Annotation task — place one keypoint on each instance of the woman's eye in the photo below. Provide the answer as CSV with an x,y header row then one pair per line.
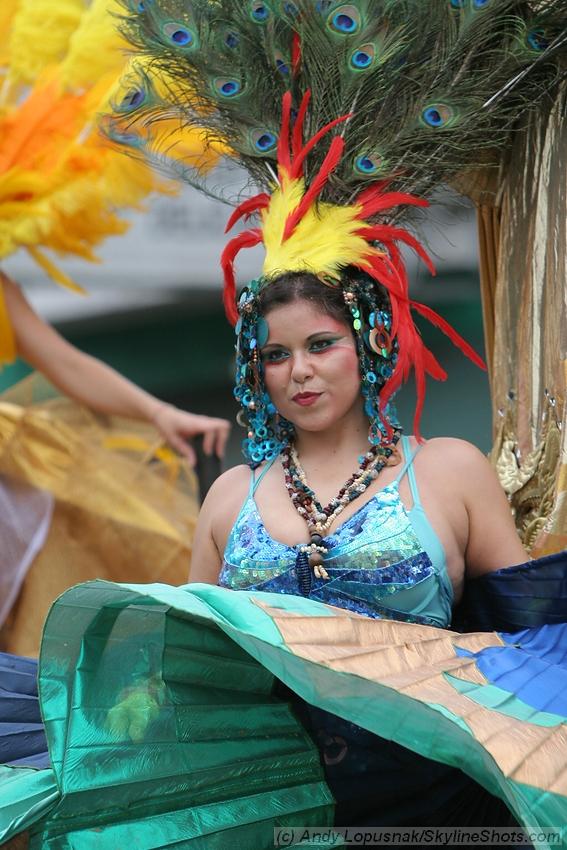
x,y
321,344
274,356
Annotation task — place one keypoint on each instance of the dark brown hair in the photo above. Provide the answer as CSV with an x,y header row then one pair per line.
x,y
299,286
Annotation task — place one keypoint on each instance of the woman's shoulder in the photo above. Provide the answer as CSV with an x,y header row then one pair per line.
x,y
235,481
453,449
452,457
224,500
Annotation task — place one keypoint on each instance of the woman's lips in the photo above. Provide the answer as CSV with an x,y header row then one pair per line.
x,y
305,399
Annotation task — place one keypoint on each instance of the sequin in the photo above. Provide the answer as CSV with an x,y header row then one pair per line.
x,y
375,561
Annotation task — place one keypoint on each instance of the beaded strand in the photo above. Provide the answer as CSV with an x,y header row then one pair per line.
x,y
318,518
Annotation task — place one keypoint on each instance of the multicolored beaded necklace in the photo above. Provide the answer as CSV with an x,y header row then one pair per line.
x,y
318,518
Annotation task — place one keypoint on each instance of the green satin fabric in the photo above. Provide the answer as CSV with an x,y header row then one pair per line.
x,y
223,762
26,795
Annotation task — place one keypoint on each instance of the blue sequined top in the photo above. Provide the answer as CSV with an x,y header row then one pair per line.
x,y
383,561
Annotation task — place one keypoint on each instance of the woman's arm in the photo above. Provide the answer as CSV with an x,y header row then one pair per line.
x,y
493,540
216,520
88,381
206,559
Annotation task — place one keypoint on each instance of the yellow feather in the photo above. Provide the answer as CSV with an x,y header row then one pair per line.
x,y
41,31
62,184
8,9
323,242
23,223
55,273
96,47
7,12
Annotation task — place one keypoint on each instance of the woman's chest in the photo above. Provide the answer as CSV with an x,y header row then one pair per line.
x,y
375,568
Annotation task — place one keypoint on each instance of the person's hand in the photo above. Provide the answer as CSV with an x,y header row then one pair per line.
x,y
177,426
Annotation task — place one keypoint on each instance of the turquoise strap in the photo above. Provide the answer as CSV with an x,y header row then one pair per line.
x,y
408,467
255,482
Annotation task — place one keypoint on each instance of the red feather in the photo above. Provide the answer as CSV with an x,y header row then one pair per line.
x,y
329,164
246,239
295,53
385,233
297,140
380,201
300,159
372,190
383,270
284,158
449,331
247,208
412,353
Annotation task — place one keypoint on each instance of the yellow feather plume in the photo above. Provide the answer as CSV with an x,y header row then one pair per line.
x,y
62,184
8,10
95,48
41,31
323,242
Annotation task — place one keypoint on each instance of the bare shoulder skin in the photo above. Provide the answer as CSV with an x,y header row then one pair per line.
x,y
216,518
468,509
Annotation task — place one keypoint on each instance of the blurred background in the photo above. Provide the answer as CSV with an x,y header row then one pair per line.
x,y
154,312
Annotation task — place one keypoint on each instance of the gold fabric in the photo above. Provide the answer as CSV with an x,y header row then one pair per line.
x,y
523,240
126,514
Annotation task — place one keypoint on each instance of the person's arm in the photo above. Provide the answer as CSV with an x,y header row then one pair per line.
x,y
216,520
94,384
493,540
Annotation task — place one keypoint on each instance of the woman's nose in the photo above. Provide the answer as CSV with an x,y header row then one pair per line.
x,y
301,368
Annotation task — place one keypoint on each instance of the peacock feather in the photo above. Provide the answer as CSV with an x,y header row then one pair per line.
x,y
414,91
433,87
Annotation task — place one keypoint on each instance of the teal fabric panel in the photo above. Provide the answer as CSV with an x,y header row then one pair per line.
x,y
26,795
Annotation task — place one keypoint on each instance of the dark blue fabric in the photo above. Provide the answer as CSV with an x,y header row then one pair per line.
x,y
22,736
519,597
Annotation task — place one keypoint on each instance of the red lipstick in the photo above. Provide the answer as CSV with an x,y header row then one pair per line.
x,y
305,399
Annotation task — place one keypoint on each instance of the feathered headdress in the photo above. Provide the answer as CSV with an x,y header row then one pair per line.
x,y
416,92
61,182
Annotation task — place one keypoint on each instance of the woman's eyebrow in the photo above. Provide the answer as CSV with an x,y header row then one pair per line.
x,y
309,338
323,333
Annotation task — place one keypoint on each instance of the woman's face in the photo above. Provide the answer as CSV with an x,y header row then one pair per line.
x,y
311,366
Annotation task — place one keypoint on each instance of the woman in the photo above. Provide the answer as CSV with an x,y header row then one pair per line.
x,y
401,547
312,376
158,701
